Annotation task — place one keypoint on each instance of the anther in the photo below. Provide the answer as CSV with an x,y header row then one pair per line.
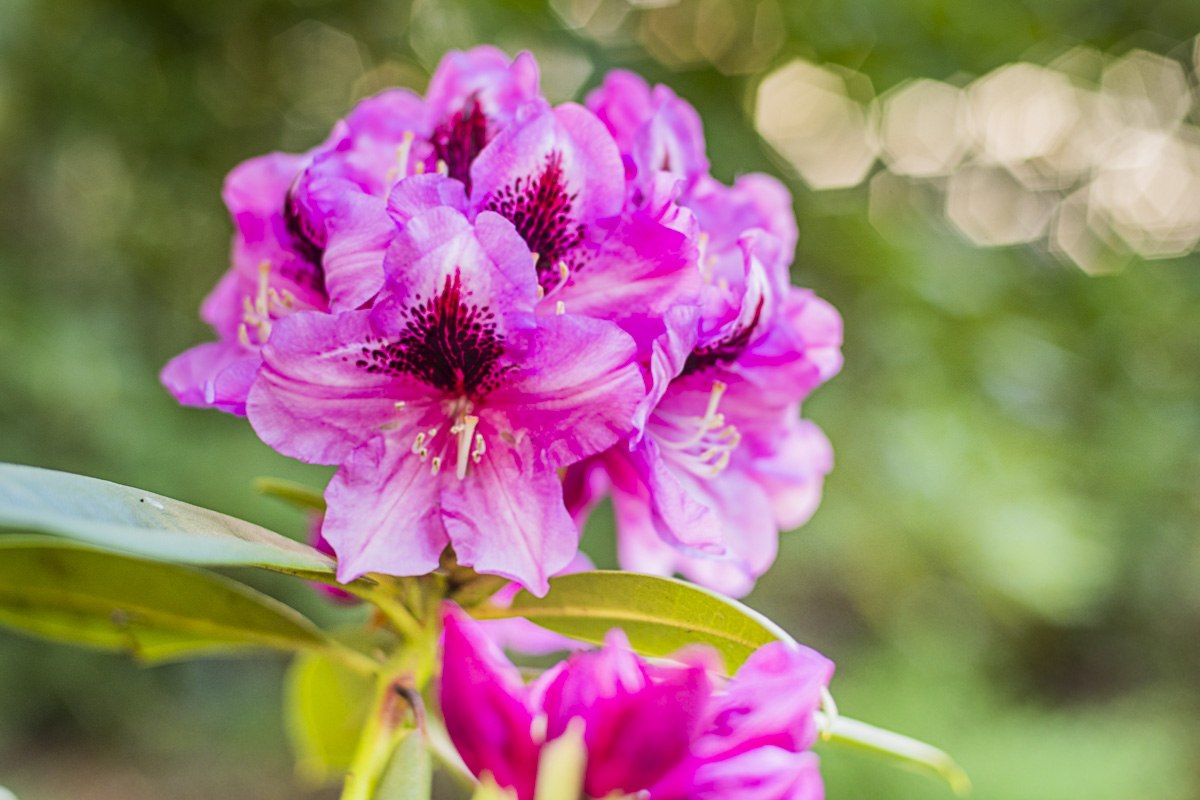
x,y
442,168
435,465
560,308
480,449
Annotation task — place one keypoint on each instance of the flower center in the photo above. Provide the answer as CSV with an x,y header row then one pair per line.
x,y
539,207
725,350
702,445
447,342
459,139
466,444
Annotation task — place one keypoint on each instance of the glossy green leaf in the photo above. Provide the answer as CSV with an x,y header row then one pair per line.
x,y
409,776
659,615
325,707
144,524
156,612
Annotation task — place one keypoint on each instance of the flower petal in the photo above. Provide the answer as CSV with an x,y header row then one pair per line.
x,y
506,516
215,374
484,705
316,398
382,511
571,407
495,267
554,174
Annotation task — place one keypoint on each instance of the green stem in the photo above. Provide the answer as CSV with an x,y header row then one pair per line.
x,y
897,747
399,679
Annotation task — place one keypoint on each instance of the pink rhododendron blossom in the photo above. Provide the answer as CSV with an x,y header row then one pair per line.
x,y
667,731
721,460
556,174
528,288
449,406
638,720
274,273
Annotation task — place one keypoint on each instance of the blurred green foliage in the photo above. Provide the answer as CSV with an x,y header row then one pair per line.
x,y
1006,560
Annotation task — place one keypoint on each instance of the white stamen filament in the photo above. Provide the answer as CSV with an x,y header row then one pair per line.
x,y
468,443
403,150
466,432
703,445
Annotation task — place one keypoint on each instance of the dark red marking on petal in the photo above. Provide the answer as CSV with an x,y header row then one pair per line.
x,y
447,343
307,242
459,139
723,351
540,209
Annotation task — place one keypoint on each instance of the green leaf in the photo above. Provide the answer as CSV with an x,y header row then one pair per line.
x,y
156,612
297,494
659,615
325,707
409,776
144,524
903,750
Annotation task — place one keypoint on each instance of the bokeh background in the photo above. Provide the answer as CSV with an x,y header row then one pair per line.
x,y
1001,197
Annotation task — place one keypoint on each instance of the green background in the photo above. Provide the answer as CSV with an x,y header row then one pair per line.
x,y
1006,562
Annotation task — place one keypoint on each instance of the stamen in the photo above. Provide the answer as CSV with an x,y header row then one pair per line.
x,y
400,404
480,449
466,430
419,444
435,465
540,292
419,168
703,445
403,151
560,308
262,299
442,168
244,336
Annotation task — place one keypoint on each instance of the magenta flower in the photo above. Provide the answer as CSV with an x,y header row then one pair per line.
x,y
756,733
638,720
664,730
339,200
449,406
274,273
556,174
721,461
655,130
311,230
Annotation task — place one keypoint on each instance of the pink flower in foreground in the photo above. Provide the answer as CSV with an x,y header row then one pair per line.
x,y
665,731
449,406
638,719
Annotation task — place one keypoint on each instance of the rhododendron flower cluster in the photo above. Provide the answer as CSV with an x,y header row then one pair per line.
x,y
663,731
489,312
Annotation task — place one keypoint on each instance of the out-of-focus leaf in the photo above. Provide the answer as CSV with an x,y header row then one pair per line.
x,y
903,750
659,615
157,612
143,524
409,776
325,708
297,494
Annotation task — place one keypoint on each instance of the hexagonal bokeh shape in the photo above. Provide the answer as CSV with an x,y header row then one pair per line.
x,y
1151,90
992,208
922,128
803,111
1021,111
